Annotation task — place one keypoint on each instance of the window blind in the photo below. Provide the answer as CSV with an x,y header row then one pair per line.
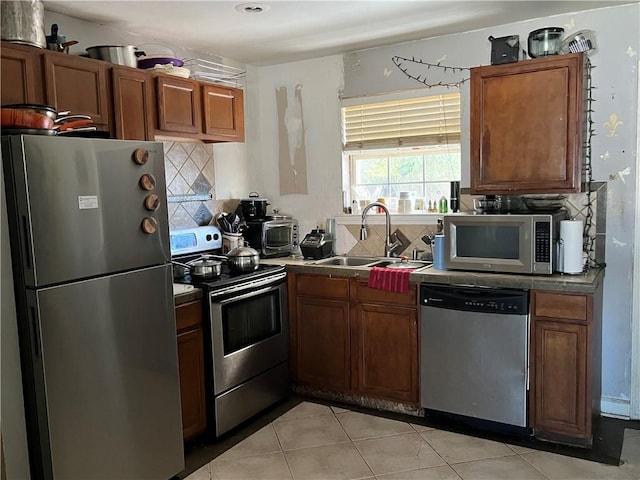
x,y
409,122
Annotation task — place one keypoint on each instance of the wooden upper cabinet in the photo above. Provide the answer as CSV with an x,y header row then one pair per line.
x,y
179,105
79,85
133,104
527,126
223,113
21,74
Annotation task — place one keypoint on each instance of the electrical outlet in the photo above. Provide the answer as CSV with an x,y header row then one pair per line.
x,y
400,237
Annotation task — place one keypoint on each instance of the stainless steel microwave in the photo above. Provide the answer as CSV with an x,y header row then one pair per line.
x,y
502,243
272,237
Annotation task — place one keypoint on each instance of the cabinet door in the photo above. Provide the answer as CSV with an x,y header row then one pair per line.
x,y
527,125
79,85
385,346
192,390
322,343
133,104
191,368
179,105
559,384
223,113
21,75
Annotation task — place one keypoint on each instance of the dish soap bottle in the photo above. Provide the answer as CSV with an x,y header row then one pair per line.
x,y
443,208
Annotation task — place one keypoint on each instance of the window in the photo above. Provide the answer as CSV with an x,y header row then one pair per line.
x,y
407,145
425,172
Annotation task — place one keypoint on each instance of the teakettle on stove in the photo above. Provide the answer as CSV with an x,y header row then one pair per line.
x,y
316,245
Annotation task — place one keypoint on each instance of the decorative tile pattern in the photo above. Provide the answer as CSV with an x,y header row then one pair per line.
x,y
576,205
189,169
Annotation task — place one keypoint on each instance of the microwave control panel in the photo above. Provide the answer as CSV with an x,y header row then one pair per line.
x,y
543,242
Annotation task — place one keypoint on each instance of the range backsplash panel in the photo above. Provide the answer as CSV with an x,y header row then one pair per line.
x,y
189,169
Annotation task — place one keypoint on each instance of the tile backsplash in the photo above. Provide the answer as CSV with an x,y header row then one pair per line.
x,y
577,206
189,170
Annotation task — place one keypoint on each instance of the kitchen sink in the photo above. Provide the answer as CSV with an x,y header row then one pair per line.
x,y
347,261
400,264
344,261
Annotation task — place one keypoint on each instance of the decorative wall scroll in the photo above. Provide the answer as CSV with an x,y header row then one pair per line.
x,y
292,160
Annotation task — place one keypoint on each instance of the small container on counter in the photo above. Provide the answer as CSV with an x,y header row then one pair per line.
x,y
438,253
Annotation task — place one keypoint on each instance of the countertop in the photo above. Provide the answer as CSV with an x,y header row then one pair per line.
x,y
181,295
582,283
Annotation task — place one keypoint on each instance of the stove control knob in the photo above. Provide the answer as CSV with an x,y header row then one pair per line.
x,y
152,202
148,182
140,156
149,225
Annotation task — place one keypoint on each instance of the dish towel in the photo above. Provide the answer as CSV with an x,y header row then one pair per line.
x,y
390,279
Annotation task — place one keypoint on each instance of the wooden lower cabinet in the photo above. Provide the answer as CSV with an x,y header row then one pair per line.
x,y
565,365
349,338
323,343
191,368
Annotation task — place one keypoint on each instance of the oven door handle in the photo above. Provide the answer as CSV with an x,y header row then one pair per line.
x,y
271,281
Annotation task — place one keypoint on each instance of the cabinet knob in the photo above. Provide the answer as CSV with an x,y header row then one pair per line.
x,y
148,182
140,156
149,225
152,202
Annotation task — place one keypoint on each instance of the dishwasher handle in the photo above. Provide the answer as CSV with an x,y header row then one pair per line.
x,y
475,299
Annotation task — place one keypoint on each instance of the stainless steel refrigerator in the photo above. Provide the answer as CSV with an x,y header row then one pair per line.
x,y
96,325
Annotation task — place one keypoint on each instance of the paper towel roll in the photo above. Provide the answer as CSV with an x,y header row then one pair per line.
x,y
570,251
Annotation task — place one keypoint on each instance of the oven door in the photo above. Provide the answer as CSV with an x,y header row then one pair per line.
x,y
250,331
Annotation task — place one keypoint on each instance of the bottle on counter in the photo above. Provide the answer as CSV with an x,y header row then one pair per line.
x,y
443,207
454,201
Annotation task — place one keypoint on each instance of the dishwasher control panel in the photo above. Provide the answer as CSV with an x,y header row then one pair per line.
x,y
475,299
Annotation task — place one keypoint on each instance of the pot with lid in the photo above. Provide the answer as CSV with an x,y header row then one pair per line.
x,y
242,259
254,207
205,267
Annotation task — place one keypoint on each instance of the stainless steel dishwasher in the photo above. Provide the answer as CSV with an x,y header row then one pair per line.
x,y
474,352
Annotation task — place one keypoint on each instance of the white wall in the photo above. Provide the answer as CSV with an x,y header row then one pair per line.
x,y
372,71
321,81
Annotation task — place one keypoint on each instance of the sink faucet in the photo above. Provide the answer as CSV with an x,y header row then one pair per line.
x,y
388,246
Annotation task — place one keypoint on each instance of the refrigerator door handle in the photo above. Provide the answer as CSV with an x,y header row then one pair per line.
x,y
27,242
35,332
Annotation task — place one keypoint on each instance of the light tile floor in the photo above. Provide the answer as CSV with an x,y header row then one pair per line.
x,y
313,441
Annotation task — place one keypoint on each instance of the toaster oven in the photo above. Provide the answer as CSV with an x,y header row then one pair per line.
x,y
273,237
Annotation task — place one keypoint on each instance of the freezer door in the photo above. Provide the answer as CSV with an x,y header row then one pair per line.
x,y
109,355
79,205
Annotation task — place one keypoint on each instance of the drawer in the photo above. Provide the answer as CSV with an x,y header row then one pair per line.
x,y
364,294
188,315
322,287
561,305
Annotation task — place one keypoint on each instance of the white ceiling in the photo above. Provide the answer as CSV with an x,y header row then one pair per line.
x,y
290,30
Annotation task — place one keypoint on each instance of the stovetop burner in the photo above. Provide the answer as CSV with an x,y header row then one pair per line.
x,y
227,278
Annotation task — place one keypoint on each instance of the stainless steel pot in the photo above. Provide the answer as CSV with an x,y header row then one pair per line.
x,y
242,259
205,267
23,22
120,55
